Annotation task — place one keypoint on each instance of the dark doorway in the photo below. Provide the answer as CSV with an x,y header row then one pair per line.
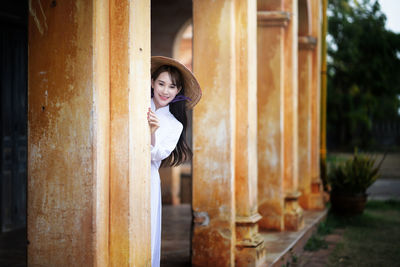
x,y
13,145
167,20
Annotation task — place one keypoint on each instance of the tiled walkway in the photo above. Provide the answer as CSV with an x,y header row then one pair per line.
x,y
175,240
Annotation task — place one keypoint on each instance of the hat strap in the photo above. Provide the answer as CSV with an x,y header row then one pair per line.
x,y
180,98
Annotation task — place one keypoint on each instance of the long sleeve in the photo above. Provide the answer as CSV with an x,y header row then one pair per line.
x,y
166,140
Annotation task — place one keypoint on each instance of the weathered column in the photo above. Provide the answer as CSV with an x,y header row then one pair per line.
x,y
316,185
213,239
68,126
307,44
270,99
306,48
293,212
130,134
250,250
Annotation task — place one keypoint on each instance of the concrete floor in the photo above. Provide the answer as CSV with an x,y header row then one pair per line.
x,y
175,239
384,189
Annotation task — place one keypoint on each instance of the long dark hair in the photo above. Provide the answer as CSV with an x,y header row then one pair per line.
x,y
182,151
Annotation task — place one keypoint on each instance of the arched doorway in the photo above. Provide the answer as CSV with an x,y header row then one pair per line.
x,y
182,49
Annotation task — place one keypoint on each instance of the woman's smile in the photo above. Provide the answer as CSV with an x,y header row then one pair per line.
x,y
165,98
164,90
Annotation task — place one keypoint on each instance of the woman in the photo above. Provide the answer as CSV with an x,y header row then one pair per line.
x,y
174,90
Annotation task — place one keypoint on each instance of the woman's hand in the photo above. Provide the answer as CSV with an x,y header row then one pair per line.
x,y
154,123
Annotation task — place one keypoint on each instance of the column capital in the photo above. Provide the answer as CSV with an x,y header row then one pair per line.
x,y
273,18
307,42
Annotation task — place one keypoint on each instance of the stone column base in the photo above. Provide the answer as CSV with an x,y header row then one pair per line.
x,y
315,199
250,249
272,215
250,256
293,216
312,201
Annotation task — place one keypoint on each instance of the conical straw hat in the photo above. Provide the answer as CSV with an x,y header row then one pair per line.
x,y
192,87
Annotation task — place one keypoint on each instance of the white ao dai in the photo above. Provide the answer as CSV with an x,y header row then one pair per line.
x,y
166,138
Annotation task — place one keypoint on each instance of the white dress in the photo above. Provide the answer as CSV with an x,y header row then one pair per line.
x,y
166,138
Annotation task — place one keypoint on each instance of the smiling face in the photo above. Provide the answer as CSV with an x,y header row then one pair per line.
x,y
165,90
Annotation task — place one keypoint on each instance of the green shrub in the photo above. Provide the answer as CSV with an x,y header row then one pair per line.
x,y
353,176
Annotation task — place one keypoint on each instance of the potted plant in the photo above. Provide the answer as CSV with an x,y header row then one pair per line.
x,y
349,182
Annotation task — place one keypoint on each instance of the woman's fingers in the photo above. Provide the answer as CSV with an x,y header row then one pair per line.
x,y
152,118
151,114
153,121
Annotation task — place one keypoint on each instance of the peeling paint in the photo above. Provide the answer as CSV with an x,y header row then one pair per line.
x,y
223,209
46,96
201,218
221,135
225,233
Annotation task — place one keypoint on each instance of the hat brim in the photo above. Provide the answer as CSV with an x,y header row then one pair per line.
x,y
190,83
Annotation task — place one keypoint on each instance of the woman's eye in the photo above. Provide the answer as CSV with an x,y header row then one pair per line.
x,y
161,84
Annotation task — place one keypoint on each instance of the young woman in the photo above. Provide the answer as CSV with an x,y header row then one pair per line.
x,y
174,89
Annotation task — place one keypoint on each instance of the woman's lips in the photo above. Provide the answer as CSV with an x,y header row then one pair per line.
x,y
163,98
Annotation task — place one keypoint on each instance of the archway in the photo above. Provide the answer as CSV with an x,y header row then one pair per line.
x,y
182,49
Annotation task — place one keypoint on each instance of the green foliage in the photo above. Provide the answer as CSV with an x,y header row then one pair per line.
x,y
324,228
370,239
354,175
363,67
316,242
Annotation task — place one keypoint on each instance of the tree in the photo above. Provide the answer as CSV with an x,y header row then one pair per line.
x,y
363,72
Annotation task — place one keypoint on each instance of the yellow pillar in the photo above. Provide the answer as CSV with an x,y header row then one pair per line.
x,y
129,165
68,125
88,179
324,88
250,250
306,48
270,99
293,212
316,186
213,239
